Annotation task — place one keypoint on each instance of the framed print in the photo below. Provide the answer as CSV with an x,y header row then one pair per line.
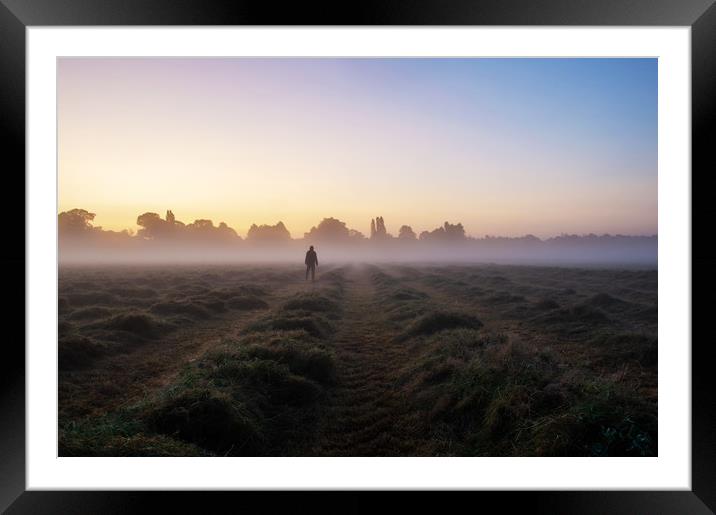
x,y
416,249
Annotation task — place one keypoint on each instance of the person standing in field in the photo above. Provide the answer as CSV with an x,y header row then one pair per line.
x,y
311,263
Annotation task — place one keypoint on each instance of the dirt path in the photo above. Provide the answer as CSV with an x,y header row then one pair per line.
x,y
366,413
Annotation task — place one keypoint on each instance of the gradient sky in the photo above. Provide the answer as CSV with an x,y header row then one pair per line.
x,y
505,146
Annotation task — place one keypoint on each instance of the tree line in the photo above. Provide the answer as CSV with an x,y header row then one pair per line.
x,y
79,224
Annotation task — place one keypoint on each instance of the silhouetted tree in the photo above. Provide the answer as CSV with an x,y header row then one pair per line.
x,y
380,227
201,225
377,229
227,232
268,233
75,222
406,233
201,229
448,232
355,235
152,226
454,232
330,229
171,229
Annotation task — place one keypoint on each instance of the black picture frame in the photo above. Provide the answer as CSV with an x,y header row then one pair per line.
x,y
700,15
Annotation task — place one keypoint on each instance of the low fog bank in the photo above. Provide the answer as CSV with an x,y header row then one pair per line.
x,y
578,250
168,240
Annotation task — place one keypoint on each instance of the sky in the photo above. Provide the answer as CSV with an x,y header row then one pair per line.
x,y
505,146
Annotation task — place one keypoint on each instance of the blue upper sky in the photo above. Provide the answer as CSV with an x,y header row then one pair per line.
x,y
505,146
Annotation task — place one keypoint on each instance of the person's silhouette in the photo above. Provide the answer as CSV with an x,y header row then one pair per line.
x,y
311,263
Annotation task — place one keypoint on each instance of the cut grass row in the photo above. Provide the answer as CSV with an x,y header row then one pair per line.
x,y
487,393
87,332
256,395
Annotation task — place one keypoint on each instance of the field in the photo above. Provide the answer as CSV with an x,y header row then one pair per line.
x,y
388,360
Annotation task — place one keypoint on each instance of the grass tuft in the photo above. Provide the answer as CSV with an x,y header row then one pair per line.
x,y
440,321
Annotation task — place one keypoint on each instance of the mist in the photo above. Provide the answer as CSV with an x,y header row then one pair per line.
x,y
167,240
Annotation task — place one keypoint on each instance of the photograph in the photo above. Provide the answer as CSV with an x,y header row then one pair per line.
x,y
357,256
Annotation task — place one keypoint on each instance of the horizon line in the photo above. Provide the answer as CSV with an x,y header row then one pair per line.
x,y
134,233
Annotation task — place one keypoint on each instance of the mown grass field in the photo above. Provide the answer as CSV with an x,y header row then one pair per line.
x,y
390,360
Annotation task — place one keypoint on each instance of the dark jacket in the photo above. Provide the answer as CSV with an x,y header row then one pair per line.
x,y
311,258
